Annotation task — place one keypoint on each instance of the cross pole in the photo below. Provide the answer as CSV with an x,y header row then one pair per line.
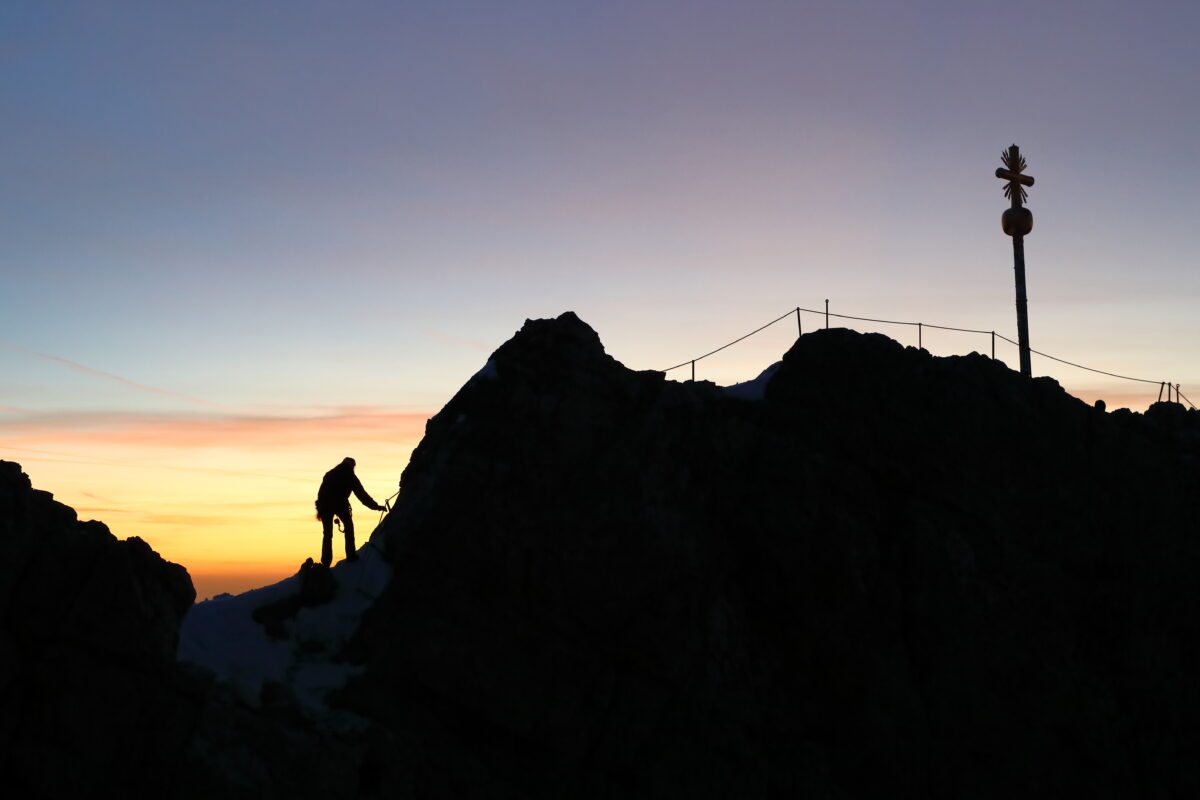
x,y
1017,221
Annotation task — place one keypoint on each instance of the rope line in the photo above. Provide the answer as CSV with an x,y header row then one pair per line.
x,y
964,330
828,313
892,322
735,341
1079,366
386,508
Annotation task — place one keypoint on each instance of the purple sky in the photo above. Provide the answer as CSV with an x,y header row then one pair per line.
x,y
290,207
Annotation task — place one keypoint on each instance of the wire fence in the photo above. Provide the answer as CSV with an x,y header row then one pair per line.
x,y
1173,394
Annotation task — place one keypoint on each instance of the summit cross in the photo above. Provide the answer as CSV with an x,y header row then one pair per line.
x,y
1017,221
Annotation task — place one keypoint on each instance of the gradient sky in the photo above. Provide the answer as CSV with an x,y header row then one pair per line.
x,y
241,240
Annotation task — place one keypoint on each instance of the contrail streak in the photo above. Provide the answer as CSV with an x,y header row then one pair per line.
x,y
77,367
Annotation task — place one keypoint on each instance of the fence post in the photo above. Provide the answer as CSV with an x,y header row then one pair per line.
x,y
799,327
693,370
1160,390
993,345
920,340
826,313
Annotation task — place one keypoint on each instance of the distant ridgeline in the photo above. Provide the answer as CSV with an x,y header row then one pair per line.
x,y
874,573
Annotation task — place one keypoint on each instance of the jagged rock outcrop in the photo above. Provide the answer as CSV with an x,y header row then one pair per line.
x,y
895,575
892,575
92,700
88,626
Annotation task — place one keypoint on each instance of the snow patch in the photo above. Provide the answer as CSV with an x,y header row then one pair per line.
x,y
220,634
488,370
753,389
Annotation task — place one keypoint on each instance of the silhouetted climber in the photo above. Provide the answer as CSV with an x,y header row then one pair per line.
x,y
333,500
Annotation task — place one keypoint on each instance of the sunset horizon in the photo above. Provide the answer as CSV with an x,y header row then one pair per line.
x,y
242,243
194,484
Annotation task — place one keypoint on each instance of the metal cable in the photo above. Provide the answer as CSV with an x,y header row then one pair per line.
x,y
798,309
864,319
386,508
735,341
964,330
1078,366
897,322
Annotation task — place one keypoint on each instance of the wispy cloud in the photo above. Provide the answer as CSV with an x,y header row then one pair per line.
x,y
95,512
97,373
240,431
255,447
194,521
21,454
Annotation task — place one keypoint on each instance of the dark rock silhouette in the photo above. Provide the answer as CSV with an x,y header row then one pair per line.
x,y
897,575
894,575
88,628
92,701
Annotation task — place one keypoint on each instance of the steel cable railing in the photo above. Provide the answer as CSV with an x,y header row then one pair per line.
x,y
920,326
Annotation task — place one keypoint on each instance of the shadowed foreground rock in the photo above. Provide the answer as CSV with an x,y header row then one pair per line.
x,y
893,576
92,701
897,575
88,627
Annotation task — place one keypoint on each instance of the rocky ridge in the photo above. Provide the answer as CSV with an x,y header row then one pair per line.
x,y
88,626
895,574
884,574
92,700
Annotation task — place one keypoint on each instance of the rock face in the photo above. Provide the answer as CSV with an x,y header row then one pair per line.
x,y
891,575
92,700
88,627
895,575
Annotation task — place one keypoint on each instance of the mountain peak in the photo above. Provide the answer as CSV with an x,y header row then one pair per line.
x,y
552,347
869,571
673,586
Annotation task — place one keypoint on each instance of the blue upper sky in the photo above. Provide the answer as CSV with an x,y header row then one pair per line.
x,y
316,204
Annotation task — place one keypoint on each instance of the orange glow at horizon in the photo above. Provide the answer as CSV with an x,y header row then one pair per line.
x,y
230,498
